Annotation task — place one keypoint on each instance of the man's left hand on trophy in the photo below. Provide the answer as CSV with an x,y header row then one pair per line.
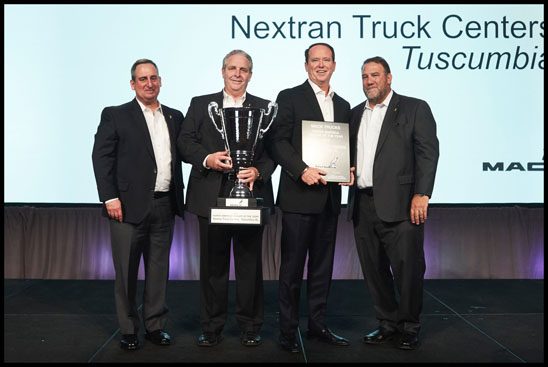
x,y
219,161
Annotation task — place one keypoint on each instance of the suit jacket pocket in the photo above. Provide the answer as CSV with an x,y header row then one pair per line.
x,y
408,179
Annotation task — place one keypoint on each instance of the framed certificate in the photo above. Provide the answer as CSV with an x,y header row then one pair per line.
x,y
326,146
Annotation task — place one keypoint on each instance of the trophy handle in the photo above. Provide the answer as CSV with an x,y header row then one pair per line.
x,y
215,106
271,106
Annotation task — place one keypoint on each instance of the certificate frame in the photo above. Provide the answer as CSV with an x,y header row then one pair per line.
x,y
326,146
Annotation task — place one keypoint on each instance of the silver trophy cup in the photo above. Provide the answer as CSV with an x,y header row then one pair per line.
x,y
241,128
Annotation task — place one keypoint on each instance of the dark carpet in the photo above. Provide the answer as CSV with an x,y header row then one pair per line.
x,y
463,321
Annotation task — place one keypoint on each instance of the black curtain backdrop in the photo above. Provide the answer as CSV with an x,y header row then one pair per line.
x,y
461,242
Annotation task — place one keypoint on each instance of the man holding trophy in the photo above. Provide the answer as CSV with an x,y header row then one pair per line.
x,y
219,170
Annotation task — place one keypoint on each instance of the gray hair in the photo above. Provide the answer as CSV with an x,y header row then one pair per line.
x,y
139,62
239,52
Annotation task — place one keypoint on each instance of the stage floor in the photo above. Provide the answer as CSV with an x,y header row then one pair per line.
x,y
463,321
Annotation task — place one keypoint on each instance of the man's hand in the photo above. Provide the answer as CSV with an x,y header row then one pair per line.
x,y
248,175
313,176
352,169
419,209
114,209
216,161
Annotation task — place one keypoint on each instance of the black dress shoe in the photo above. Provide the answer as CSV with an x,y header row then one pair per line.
x,y
158,337
209,339
327,336
409,341
378,336
289,342
129,342
251,339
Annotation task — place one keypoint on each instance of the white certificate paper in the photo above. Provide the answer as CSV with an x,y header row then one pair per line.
x,y
326,146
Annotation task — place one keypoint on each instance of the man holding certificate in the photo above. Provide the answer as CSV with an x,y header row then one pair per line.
x,y
310,202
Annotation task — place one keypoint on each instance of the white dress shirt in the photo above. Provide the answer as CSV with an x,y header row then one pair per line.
x,y
325,101
368,137
229,101
159,134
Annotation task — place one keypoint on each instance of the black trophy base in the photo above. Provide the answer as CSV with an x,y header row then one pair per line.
x,y
239,211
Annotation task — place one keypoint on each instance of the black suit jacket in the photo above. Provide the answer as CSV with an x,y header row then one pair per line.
x,y
295,105
406,158
124,163
198,138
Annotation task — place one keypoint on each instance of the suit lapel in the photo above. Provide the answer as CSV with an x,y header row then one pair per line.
x,y
310,97
142,125
250,101
313,101
356,119
355,123
168,116
218,98
338,107
388,122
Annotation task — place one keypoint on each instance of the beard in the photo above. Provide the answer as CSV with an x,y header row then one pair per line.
x,y
376,95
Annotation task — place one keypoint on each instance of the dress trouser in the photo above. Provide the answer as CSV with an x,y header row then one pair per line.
x,y
150,239
392,259
215,245
313,235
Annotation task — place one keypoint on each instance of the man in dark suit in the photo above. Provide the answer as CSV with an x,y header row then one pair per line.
x,y
309,204
395,149
139,179
211,177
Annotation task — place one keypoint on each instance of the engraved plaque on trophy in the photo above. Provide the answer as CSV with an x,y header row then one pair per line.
x,y
326,146
241,128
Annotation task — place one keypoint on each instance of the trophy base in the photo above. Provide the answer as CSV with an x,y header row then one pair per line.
x,y
239,211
